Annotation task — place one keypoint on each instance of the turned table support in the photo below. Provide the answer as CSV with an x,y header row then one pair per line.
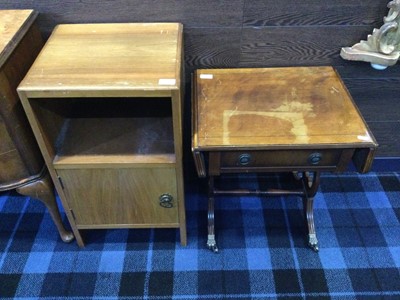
x,y
211,242
310,182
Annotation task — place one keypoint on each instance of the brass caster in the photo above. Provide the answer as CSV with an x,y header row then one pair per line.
x,y
211,243
314,247
67,237
213,248
313,242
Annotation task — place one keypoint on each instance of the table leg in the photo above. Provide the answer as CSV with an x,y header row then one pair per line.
x,y
42,189
211,242
310,184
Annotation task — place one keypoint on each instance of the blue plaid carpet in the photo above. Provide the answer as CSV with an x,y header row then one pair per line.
x,y
263,252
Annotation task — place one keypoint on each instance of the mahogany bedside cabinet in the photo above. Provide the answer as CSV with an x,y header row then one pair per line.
x,y
105,105
299,120
22,166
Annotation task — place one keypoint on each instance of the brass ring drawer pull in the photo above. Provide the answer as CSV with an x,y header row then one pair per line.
x,y
166,201
244,159
315,158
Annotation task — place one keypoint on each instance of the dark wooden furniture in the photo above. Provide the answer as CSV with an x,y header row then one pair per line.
x,y
248,33
21,165
105,102
300,120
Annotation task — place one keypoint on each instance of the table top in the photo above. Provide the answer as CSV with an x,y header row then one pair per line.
x,y
269,108
13,26
103,57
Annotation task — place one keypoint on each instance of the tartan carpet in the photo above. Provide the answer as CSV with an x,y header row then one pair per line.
x,y
263,250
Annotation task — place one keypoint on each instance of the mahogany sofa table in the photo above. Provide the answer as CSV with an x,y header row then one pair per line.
x,y
300,120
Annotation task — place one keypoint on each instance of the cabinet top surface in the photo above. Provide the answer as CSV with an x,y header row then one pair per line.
x,y
275,107
97,57
13,24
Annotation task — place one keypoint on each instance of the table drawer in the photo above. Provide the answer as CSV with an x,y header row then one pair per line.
x,y
281,158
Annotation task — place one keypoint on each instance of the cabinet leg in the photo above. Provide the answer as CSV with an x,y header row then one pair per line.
x,y
43,190
211,242
310,189
183,235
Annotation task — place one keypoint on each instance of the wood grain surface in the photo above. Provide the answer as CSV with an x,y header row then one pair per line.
x,y
250,33
121,197
388,138
13,26
313,13
296,46
193,13
212,47
380,101
20,42
108,57
274,108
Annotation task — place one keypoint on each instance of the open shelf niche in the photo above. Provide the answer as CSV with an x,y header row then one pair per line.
x,y
104,131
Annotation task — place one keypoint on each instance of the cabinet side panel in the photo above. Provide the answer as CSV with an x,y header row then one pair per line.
x,y
15,121
12,168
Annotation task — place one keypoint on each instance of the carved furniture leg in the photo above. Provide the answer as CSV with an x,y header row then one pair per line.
x,y
42,189
211,242
310,189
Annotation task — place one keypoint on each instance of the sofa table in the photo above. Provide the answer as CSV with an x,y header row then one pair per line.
x,y
22,167
105,105
300,120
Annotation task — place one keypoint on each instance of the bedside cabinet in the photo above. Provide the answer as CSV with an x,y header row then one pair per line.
x,y
105,104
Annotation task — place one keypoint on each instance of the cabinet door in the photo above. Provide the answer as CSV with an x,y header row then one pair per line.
x,y
124,197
